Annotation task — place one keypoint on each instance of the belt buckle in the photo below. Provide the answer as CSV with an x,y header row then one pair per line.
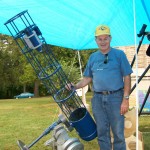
x,y
105,92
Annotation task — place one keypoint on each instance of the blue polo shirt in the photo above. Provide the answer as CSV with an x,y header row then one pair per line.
x,y
108,76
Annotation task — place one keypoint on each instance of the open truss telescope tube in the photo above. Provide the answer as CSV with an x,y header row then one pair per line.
x,y
38,53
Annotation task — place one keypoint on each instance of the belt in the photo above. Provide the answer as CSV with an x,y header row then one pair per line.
x,y
108,92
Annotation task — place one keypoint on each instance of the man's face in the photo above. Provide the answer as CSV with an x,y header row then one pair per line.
x,y
103,42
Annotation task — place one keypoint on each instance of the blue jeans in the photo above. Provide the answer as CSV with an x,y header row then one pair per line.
x,y
106,111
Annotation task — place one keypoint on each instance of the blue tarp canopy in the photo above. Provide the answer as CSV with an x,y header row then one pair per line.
x,y
71,23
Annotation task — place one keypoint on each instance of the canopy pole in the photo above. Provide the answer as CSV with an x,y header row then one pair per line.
x,y
83,93
136,56
80,64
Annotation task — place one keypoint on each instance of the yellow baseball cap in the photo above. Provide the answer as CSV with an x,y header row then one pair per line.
x,y
102,30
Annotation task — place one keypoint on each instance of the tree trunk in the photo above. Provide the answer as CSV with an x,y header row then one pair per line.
x,y
24,88
36,88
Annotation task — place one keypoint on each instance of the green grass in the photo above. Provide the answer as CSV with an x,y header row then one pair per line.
x,y
26,119
144,127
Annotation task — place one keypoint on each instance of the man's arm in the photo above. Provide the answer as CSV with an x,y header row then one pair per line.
x,y
127,88
127,85
85,81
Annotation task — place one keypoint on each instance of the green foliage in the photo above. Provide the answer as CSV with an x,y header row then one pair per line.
x,y
8,75
16,72
28,75
70,55
72,72
14,69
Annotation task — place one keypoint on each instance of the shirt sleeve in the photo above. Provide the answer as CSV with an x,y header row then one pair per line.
x,y
125,66
88,72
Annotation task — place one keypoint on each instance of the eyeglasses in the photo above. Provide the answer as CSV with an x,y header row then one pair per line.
x,y
105,40
106,59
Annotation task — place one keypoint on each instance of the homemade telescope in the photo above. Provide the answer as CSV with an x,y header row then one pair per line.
x,y
33,45
60,139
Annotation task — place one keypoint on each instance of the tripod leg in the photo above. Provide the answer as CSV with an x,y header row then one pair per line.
x,y
22,145
145,99
146,70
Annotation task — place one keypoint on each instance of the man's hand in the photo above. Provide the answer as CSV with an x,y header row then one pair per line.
x,y
85,81
124,106
69,86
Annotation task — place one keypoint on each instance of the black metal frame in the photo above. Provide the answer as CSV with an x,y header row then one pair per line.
x,y
141,33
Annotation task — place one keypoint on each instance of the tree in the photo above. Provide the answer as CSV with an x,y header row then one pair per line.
x,y
8,76
14,69
17,75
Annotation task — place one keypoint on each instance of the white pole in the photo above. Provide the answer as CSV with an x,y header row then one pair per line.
x,y
83,93
137,99
80,64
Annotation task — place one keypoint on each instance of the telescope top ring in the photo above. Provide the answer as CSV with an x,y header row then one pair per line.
x,y
15,17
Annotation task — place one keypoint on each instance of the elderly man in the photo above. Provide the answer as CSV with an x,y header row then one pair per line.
x,y
109,70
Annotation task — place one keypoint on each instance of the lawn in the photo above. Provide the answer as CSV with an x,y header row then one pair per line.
x,y
26,119
144,127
